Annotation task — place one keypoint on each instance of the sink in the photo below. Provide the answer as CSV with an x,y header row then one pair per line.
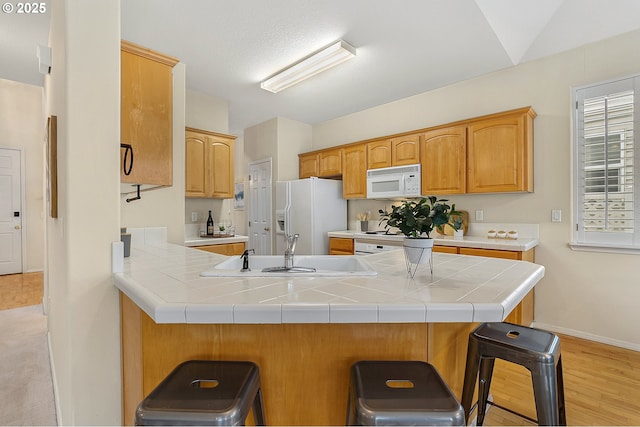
x,y
324,265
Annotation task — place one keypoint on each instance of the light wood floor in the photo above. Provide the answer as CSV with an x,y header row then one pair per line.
x,y
602,383
20,290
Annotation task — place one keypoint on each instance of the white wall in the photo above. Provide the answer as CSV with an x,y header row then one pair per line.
x,y
592,295
164,207
83,91
21,126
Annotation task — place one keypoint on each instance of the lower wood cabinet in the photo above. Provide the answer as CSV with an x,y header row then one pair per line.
x,y
340,246
224,248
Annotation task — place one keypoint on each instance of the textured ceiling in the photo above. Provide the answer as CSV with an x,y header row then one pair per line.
x,y
403,47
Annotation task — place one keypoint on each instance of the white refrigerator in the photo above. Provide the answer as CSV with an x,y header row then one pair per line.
x,y
310,207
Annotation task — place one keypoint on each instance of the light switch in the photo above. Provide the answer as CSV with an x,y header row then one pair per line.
x,y
556,215
194,216
479,215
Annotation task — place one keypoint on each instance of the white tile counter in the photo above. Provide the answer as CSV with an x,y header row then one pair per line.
x,y
521,244
204,241
164,280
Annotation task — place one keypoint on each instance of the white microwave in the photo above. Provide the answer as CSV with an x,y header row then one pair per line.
x,y
394,182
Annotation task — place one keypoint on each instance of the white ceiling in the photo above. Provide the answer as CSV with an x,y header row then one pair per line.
x,y
404,47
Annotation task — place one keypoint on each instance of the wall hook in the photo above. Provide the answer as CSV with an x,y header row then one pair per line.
x,y
135,198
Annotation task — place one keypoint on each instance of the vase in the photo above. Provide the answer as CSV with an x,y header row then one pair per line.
x,y
418,250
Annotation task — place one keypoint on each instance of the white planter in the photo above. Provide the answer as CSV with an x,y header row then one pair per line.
x,y
418,251
458,234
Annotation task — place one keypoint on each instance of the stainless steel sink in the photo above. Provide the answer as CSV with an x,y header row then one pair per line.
x,y
304,265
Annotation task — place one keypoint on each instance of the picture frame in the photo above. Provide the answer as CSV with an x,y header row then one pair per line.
x,y
238,196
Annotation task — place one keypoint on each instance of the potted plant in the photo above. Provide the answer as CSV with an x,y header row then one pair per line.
x,y
416,219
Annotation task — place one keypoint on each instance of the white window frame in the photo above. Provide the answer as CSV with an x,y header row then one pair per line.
x,y
606,241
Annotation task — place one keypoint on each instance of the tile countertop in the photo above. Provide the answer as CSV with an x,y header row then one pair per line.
x,y
204,241
478,239
164,280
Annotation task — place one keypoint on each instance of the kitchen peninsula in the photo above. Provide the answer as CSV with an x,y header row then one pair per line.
x,y
304,332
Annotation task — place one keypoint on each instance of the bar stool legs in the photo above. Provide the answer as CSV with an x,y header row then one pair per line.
x,y
537,350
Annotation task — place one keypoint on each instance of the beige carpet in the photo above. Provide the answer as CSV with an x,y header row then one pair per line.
x,y
26,389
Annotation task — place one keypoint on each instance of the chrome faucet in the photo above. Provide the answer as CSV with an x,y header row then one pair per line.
x,y
245,259
291,248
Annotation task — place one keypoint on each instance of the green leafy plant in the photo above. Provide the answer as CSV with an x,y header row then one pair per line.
x,y
456,219
417,218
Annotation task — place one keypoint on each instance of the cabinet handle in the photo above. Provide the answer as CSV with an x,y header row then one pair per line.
x,y
267,229
128,154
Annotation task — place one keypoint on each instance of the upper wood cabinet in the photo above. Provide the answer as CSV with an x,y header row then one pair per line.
x,y
209,161
500,153
330,163
146,114
308,165
354,172
379,154
443,159
398,151
405,150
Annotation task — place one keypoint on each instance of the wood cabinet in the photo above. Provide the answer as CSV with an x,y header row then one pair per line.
x,y
308,165
403,150
330,163
228,249
379,154
500,153
209,164
341,246
354,172
146,114
443,159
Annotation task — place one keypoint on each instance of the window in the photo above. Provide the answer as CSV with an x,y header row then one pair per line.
x,y
606,166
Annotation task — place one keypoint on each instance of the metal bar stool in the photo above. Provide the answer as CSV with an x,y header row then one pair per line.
x,y
535,349
400,393
205,392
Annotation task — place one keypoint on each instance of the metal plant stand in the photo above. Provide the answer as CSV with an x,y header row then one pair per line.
x,y
411,267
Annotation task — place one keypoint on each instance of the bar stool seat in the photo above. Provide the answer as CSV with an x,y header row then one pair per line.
x,y
535,349
205,392
400,393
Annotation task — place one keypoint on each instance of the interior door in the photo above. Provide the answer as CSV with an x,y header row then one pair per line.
x,y
260,239
10,212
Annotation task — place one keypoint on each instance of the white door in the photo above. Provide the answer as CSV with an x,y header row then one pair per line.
x,y
260,207
10,212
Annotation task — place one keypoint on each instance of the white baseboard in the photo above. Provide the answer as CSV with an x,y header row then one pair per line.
x,y
587,336
55,382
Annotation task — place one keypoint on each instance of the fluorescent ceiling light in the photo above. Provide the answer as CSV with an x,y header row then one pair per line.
x,y
313,64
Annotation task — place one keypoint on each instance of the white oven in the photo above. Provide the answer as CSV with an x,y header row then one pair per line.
x,y
394,182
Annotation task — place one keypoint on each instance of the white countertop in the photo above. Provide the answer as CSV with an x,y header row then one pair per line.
x,y
164,280
480,242
204,241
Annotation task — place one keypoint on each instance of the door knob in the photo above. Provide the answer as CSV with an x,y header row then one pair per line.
x,y
17,227
266,229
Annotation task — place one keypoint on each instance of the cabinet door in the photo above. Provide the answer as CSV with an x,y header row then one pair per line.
x,y
146,114
340,246
446,249
330,163
195,149
354,175
443,161
379,154
405,150
308,165
228,249
220,167
500,153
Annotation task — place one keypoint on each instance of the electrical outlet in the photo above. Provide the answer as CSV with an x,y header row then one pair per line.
x,y
479,215
556,215
194,216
